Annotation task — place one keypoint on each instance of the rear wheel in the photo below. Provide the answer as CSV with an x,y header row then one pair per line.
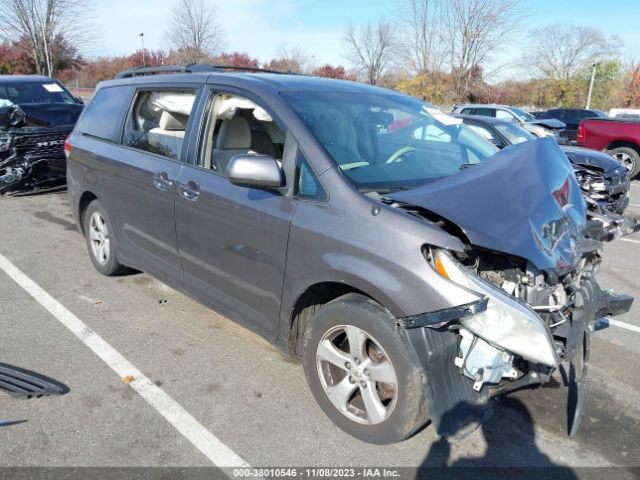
x,y
629,157
100,241
362,373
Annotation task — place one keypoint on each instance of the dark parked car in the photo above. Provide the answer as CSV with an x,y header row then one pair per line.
x,y
36,116
571,117
415,272
604,181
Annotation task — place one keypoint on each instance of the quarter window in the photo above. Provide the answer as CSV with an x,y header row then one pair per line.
x,y
158,121
307,185
102,116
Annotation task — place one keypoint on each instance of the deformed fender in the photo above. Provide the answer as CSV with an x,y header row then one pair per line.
x,y
454,407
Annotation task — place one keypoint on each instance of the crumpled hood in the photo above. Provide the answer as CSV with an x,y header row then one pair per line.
x,y
40,115
591,159
524,201
551,123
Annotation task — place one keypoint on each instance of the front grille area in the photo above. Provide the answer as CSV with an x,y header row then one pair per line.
x,y
41,144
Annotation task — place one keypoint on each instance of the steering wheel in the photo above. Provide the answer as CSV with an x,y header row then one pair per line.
x,y
399,153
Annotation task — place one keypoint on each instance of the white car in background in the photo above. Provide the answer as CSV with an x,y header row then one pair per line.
x,y
630,113
538,127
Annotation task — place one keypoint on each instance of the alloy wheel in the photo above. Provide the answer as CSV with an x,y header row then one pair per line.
x,y
99,238
625,159
357,375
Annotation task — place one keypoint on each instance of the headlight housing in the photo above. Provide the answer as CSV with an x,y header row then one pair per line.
x,y
507,323
5,143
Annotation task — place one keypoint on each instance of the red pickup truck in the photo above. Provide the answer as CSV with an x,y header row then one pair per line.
x,y
620,138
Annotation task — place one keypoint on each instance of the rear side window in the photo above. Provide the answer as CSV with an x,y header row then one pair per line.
x,y
157,123
102,117
485,112
571,116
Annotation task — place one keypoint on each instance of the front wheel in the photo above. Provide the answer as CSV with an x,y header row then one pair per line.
x,y
362,372
629,157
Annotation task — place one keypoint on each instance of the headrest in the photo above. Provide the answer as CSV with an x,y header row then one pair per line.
x,y
235,133
173,121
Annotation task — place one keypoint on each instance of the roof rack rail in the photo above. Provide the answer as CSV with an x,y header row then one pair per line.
x,y
192,68
242,69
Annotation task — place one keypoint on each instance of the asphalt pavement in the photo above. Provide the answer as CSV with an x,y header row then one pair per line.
x,y
239,391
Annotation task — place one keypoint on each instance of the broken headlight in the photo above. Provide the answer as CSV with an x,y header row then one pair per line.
x,y
507,323
5,143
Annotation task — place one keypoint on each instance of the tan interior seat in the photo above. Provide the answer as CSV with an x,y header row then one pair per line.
x,y
233,139
169,135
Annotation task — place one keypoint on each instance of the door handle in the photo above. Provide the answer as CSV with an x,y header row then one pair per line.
x,y
189,191
162,182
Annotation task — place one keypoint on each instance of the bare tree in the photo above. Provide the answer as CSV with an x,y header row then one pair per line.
x,y
421,43
37,24
371,49
295,59
561,51
193,30
476,29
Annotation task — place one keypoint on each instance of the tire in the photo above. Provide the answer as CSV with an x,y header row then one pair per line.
x,y
629,157
400,409
97,228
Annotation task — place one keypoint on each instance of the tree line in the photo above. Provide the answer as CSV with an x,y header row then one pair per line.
x,y
439,50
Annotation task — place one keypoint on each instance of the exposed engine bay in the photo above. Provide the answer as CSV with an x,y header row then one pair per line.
x,y
532,260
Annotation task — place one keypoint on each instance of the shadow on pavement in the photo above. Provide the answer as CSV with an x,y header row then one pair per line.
x,y
511,451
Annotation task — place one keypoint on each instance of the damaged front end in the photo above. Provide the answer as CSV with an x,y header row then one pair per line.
x,y
32,158
531,259
604,182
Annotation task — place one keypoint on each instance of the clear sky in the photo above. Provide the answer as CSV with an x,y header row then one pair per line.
x,y
261,27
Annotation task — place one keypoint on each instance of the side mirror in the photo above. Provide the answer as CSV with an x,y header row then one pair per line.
x,y
255,171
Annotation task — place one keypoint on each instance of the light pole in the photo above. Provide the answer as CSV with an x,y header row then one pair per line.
x,y
593,77
46,49
144,62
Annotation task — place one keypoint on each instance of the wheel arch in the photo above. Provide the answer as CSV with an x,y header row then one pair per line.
x,y
307,303
83,203
623,143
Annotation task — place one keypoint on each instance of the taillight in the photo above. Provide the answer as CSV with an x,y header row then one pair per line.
x,y
67,148
580,137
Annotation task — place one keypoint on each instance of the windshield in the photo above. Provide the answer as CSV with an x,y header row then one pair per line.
x,y
33,92
388,142
522,115
514,133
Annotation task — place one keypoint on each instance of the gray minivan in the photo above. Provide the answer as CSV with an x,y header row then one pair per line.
x,y
416,271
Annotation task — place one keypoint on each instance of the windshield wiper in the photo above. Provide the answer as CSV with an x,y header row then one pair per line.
x,y
464,166
385,189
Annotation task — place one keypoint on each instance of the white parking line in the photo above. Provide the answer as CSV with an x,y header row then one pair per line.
x,y
172,411
634,205
626,326
630,240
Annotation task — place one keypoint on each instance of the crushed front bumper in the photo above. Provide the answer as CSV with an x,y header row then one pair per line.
x,y
456,408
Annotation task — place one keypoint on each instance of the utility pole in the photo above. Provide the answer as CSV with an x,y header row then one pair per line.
x,y
593,77
144,62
